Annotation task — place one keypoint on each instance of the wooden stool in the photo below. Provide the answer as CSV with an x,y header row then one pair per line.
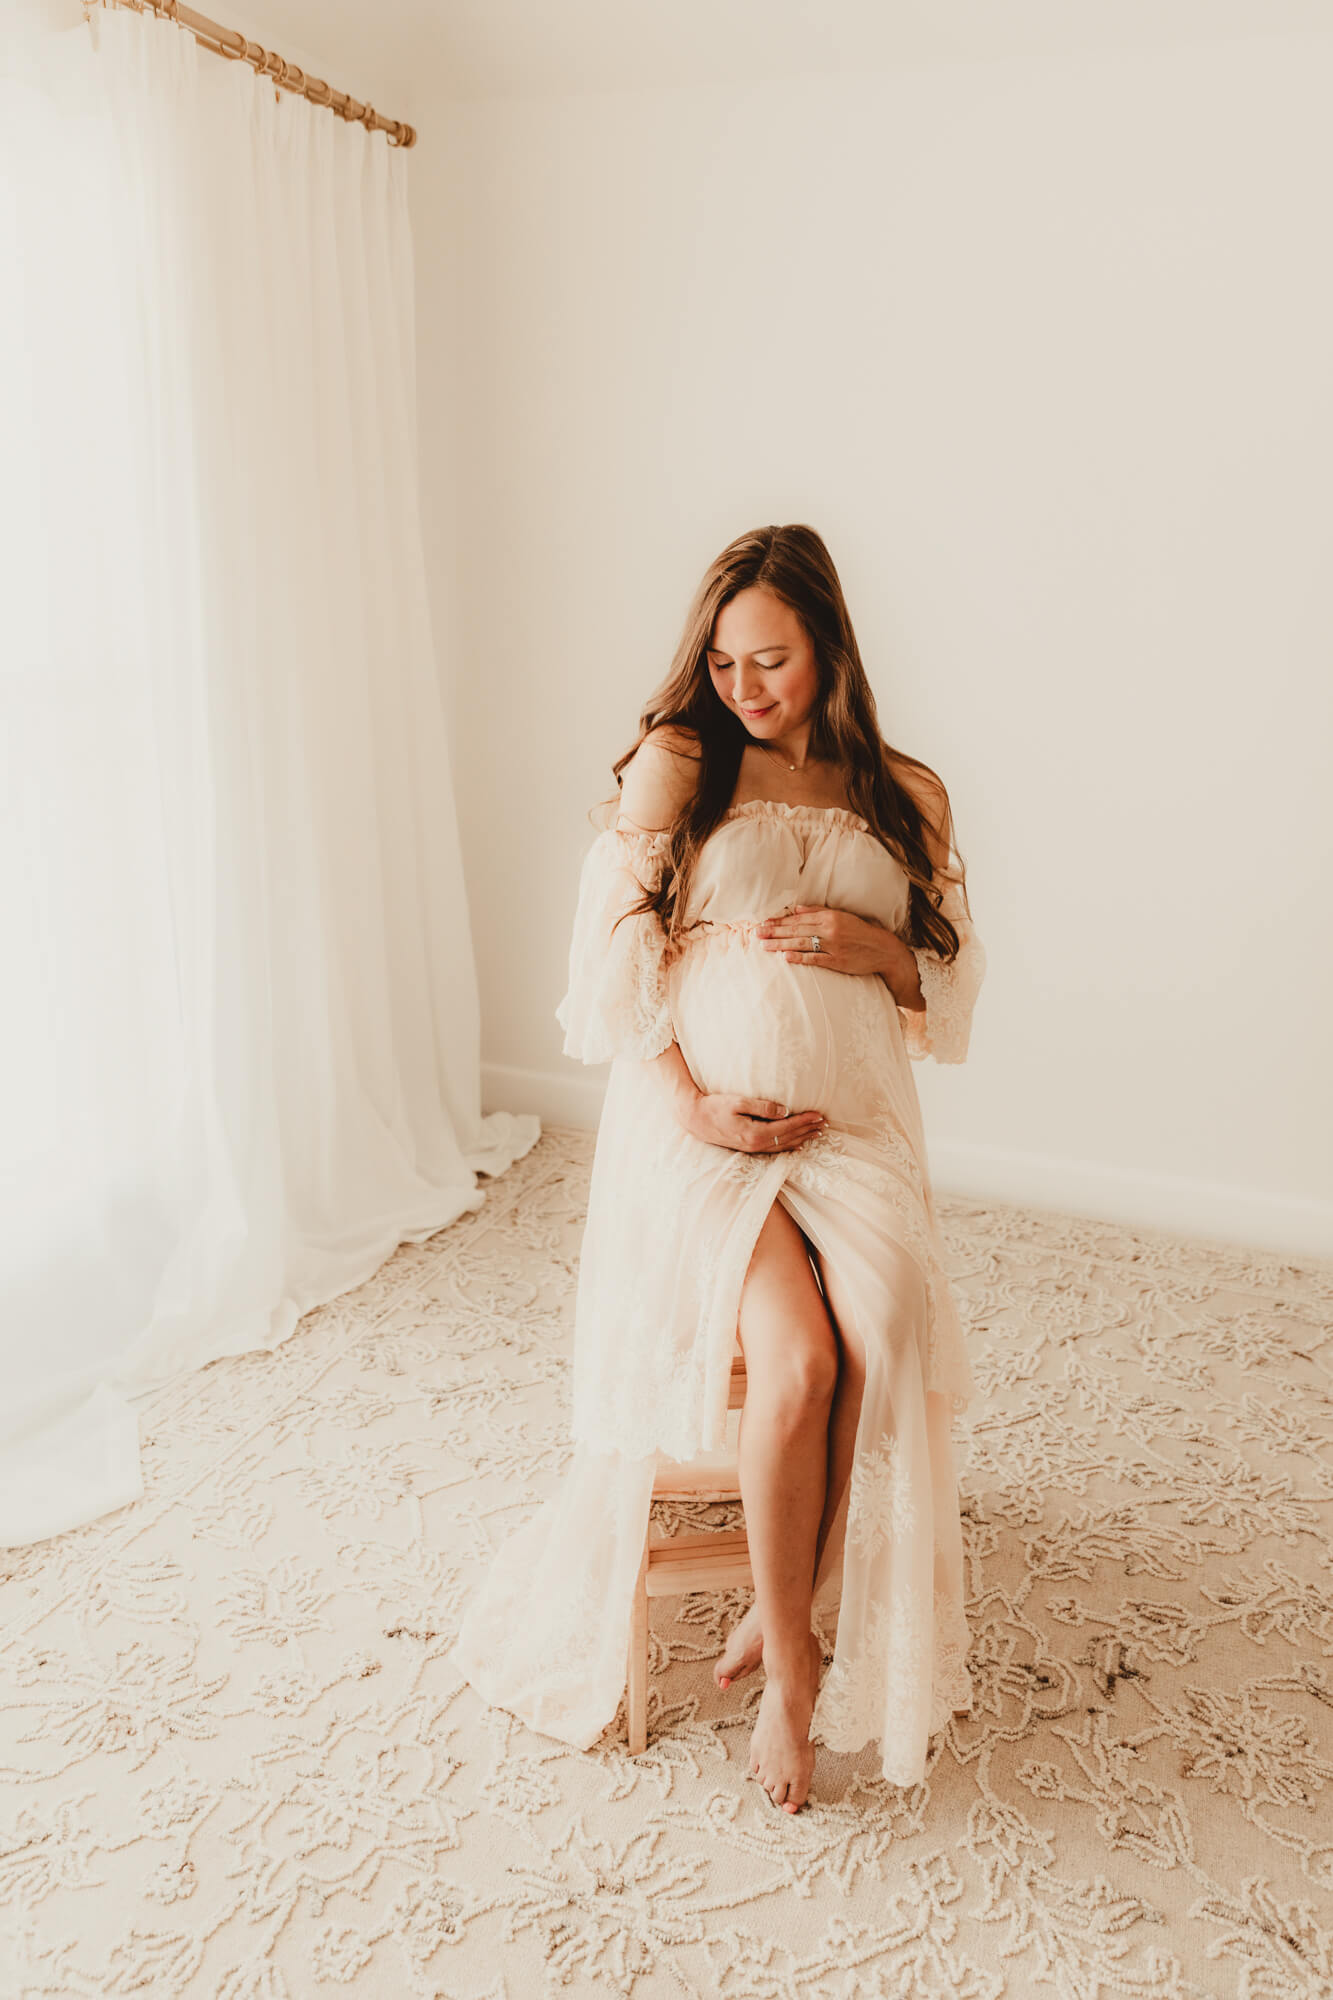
x,y
673,1564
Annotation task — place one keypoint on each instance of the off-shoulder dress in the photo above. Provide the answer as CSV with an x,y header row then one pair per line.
x,y
672,1223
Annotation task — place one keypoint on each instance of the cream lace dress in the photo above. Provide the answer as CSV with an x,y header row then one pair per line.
x,y
672,1223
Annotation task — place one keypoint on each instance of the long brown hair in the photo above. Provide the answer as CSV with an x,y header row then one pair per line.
x,y
795,565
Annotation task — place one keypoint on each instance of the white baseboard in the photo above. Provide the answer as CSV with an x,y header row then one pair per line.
x,y
1291,1224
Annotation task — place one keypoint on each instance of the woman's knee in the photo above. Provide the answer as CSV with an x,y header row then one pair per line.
x,y
788,1339
794,1380
812,1371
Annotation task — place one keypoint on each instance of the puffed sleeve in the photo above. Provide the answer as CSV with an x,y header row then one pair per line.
x,y
950,988
616,1001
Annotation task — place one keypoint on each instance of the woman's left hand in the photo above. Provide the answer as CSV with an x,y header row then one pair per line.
x,y
847,943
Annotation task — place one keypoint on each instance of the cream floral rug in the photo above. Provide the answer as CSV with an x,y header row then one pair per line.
x,y
236,1764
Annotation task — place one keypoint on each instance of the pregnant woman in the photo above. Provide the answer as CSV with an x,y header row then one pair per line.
x,y
771,923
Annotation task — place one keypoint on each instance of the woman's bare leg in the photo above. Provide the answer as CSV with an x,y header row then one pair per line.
x,y
845,1415
791,1366
745,1644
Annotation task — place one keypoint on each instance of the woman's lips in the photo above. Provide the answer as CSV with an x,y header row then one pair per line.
x,y
753,714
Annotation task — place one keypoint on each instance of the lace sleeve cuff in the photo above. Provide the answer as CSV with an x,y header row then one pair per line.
x,y
950,987
616,1001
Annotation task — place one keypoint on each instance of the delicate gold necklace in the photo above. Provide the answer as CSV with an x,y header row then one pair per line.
x,y
770,753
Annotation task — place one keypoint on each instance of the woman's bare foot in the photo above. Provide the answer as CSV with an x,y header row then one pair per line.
x,y
782,1756
743,1651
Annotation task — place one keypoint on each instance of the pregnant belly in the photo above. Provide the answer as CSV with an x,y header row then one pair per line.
x,y
749,1022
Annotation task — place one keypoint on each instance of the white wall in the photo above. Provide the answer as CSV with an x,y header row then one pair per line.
x,y
1041,349
23,20
1039,346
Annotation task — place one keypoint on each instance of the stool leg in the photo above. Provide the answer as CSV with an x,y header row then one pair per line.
x,y
636,1693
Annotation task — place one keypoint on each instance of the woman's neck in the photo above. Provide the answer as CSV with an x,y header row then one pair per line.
x,y
815,783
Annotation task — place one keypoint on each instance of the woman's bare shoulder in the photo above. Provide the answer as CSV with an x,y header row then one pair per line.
x,y
661,777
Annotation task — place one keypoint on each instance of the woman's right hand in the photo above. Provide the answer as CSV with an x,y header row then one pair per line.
x,y
745,1124
748,1124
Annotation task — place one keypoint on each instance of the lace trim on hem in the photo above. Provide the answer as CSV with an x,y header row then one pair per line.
x,y
848,1740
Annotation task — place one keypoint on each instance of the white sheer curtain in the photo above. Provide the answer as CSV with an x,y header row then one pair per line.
x,y
238,1009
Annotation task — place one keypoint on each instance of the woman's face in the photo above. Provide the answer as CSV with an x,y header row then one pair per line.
x,y
763,664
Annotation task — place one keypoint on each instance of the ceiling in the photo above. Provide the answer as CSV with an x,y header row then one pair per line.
x,y
425,49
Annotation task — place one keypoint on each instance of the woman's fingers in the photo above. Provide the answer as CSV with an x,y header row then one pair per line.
x,y
792,933
763,1125
802,922
773,1114
803,1122
776,1135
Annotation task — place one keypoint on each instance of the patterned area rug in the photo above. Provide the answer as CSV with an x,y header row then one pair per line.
x,y
236,1764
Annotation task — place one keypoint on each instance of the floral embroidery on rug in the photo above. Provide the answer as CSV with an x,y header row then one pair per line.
x,y
238,1765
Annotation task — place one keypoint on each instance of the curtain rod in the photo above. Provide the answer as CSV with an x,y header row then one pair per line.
x,y
287,76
